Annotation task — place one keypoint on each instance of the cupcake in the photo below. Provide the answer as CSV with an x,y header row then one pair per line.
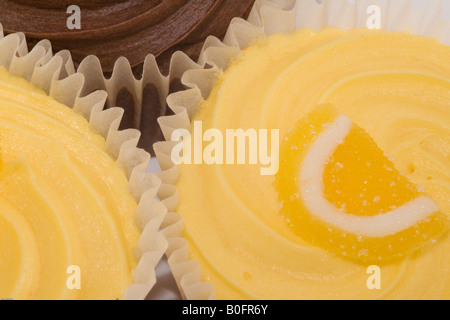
x,y
310,161
77,218
132,29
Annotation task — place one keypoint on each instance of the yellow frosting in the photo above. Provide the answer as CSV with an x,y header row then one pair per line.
x,y
395,86
66,216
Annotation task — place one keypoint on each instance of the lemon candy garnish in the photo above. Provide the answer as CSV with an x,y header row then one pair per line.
x,y
347,196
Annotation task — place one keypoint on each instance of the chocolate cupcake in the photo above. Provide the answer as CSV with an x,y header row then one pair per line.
x,y
132,29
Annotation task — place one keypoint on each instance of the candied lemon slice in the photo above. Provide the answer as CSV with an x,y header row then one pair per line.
x,y
339,191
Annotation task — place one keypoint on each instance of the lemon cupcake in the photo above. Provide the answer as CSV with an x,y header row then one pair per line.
x,y
313,164
78,218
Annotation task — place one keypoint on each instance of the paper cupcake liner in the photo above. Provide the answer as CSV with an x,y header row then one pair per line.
x,y
143,99
267,17
55,74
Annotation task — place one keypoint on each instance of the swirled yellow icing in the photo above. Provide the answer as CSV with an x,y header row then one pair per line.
x,y
396,87
66,218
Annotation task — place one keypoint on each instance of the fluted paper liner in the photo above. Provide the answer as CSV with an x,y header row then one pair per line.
x,y
123,79
55,74
266,18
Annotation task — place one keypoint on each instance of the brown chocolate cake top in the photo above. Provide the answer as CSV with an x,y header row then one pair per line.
x,y
114,28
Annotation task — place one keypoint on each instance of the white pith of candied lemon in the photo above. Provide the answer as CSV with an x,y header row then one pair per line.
x,y
339,191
